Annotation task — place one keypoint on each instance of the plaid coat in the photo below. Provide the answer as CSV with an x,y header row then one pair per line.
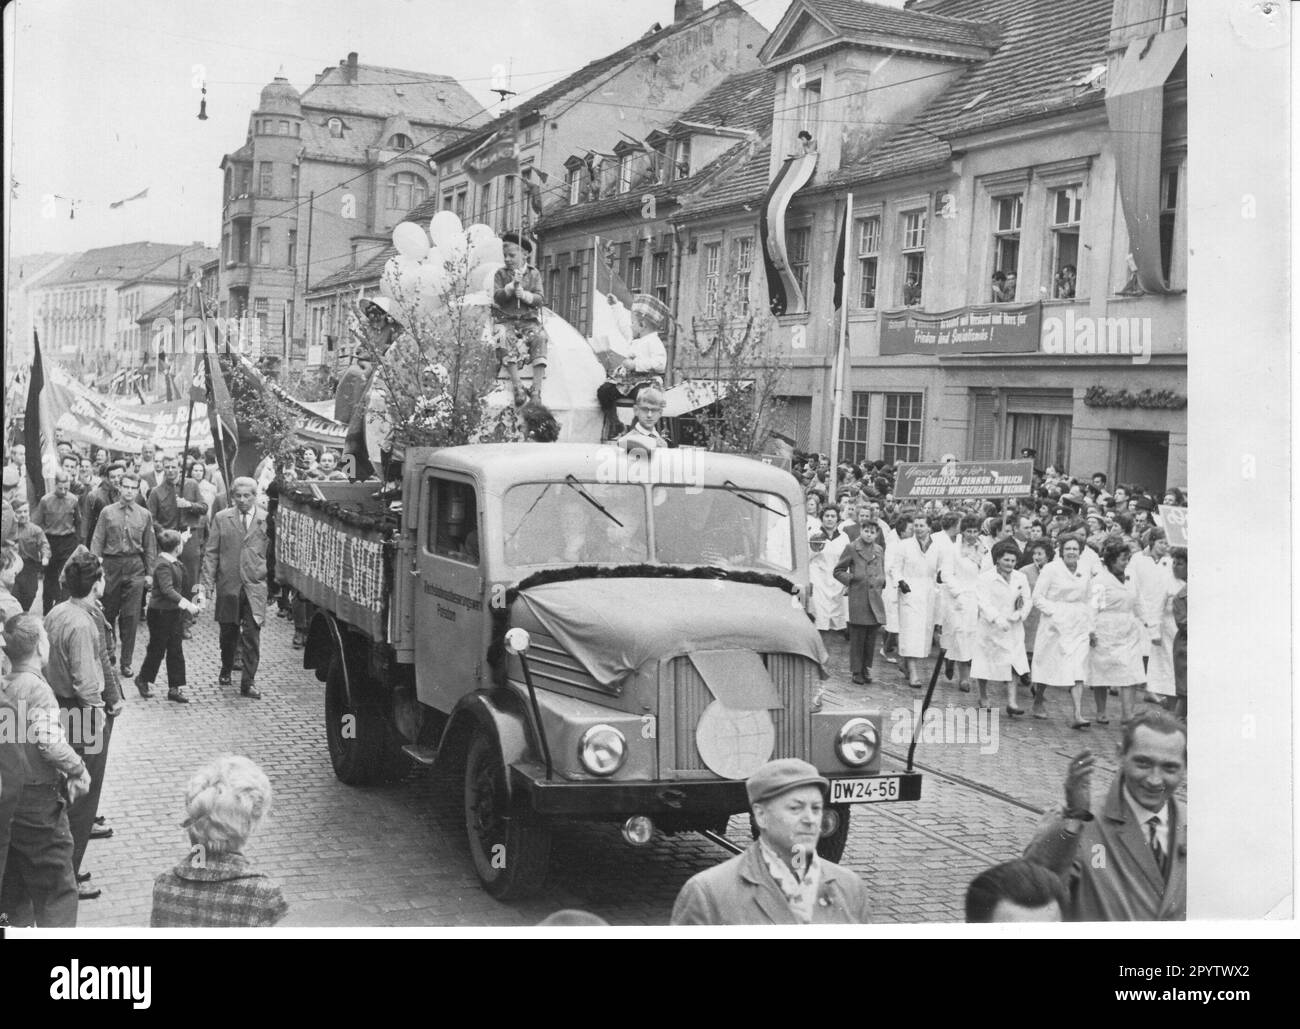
x,y
223,891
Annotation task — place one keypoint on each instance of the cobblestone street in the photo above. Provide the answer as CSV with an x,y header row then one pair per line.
x,y
399,851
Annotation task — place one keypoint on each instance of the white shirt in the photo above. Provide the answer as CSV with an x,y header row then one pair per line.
x,y
648,354
1144,816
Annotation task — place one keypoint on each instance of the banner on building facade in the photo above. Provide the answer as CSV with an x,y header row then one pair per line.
x,y
961,480
1174,521
978,329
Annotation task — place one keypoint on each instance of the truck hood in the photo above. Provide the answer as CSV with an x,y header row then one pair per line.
x,y
614,626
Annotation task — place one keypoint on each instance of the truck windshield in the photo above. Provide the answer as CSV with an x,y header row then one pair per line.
x,y
726,527
554,523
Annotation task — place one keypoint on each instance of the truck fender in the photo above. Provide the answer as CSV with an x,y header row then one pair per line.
x,y
325,639
480,711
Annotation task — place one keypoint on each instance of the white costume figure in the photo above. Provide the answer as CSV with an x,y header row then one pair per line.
x,y
919,569
1061,643
1000,649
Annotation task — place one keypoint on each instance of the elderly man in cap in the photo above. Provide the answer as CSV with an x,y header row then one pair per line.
x,y
779,880
517,302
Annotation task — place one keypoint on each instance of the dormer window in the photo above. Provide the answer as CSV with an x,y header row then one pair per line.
x,y
335,126
400,141
682,158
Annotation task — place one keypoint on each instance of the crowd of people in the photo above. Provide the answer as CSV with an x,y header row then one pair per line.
x,y
119,539
1073,587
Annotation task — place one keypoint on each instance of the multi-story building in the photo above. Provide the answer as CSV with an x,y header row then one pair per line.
x,y
617,100
602,120
86,309
1043,141
322,179
24,275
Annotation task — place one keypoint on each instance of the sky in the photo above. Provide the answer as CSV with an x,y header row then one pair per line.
x,y
101,99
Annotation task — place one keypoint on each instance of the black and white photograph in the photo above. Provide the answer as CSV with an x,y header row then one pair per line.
x,y
613,469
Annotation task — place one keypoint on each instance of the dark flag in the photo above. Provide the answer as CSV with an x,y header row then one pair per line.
x,y
38,430
839,261
221,415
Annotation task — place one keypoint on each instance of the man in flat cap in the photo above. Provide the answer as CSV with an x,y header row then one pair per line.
x,y
779,880
517,302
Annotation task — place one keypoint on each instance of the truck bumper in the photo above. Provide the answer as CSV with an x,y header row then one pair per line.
x,y
598,799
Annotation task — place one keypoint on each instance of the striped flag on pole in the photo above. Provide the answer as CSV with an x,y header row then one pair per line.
x,y
38,430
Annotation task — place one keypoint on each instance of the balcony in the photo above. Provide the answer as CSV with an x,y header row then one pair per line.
x,y
240,206
239,274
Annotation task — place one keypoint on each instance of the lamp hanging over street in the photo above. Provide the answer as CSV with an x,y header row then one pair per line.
x,y
203,103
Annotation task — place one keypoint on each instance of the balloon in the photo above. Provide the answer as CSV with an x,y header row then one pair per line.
x,y
486,252
445,227
479,233
431,280
435,256
410,240
482,276
455,247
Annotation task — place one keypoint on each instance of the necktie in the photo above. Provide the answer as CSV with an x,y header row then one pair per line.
x,y
246,519
1153,829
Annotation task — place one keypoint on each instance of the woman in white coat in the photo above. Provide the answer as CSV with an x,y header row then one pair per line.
x,y
914,572
960,569
830,603
1065,625
1004,601
1119,626
1152,573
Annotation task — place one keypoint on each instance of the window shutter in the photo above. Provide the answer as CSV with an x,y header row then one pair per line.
x,y
983,427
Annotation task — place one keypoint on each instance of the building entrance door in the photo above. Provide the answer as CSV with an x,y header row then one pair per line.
x,y
1142,458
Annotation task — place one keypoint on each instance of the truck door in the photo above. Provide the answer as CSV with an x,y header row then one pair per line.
x,y
448,604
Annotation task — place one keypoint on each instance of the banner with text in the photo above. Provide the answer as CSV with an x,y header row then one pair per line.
x,y
962,480
983,329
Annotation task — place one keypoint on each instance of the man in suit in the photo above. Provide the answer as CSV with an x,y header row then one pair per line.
x,y
234,572
779,880
1126,859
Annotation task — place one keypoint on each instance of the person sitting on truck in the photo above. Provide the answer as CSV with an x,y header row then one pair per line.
x,y
779,880
517,302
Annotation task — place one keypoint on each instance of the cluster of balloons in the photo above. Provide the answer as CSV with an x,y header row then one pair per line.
x,y
448,265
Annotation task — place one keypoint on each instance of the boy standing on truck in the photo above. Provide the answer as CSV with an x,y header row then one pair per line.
x,y
517,302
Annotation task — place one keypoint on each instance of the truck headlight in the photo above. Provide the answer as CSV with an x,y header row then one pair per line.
x,y
602,750
857,742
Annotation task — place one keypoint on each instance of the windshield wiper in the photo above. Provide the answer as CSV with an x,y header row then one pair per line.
x,y
574,484
731,487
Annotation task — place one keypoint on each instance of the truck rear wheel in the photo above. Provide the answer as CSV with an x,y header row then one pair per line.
x,y
510,855
357,735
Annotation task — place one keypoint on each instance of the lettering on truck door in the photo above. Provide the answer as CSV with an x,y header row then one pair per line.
x,y
448,598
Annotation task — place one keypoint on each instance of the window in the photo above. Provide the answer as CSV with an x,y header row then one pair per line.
x,y
575,185
243,241
800,241
225,247
484,204
448,200
868,261
625,172
742,255
293,182
659,276
264,246
461,195
400,141
853,430
554,297
533,133
245,181
453,522
574,293
913,256
1008,214
297,129
1168,218
265,179
261,311
810,107
902,427
284,127
682,159
634,274
336,128
1067,212
405,191
293,248
712,265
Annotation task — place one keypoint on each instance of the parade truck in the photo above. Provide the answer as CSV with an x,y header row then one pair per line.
x,y
575,633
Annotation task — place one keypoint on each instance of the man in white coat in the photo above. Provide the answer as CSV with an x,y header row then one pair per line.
x,y
913,569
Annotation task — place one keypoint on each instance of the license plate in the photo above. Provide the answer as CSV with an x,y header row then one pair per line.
x,y
866,791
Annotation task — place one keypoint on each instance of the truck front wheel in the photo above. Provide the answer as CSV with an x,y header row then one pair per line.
x,y
356,734
510,855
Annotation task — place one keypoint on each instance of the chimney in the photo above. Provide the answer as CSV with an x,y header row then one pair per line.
x,y
684,9
352,68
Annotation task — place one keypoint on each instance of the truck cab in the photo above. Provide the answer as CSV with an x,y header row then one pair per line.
x,y
584,633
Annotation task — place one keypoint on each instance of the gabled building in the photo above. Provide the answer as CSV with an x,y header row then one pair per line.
x,y
616,101
322,179
1043,141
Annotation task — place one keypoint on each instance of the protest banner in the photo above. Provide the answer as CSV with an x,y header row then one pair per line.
x,y
979,329
961,480
1174,521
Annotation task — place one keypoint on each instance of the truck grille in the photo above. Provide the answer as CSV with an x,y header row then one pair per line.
x,y
684,696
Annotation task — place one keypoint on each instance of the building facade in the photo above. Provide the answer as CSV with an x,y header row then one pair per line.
x,y
974,139
320,182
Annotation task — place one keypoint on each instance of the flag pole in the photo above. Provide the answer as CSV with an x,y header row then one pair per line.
x,y
841,348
